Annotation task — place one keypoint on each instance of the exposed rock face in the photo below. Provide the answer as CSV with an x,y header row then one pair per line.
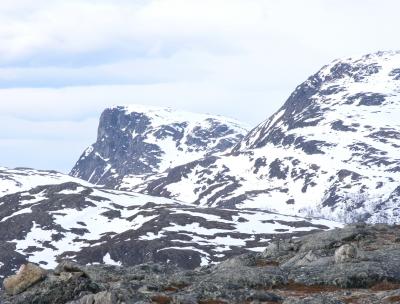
x,y
135,142
92,225
332,150
302,271
27,276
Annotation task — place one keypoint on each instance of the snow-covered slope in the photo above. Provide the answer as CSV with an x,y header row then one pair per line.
x,y
135,142
93,225
21,179
332,150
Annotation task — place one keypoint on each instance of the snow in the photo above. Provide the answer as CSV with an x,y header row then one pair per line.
x,y
195,227
95,223
69,191
17,180
257,249
88,151
204,255
174,151
22,211
237,230
108,260
167,116
149,236
377,164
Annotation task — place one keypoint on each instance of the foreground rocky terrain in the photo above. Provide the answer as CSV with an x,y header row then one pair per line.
x,y
356,264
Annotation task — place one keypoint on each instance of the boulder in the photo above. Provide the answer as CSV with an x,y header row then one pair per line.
x,y
26,276
345,254
104,297
68,266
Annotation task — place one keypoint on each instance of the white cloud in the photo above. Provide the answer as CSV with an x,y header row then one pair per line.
x,y
67,60
42,31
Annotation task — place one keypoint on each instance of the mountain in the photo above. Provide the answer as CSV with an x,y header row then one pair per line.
x,y
93,225
331,150
22,179
135,142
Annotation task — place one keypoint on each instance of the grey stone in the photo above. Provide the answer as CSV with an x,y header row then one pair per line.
x,y
346,253
98,298
26,276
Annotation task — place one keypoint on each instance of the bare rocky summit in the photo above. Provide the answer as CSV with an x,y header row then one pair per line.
x,y
355,264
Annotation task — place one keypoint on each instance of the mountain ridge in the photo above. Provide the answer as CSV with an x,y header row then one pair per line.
x,y
331,150
135,142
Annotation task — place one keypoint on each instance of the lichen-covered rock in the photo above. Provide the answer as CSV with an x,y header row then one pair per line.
x,y
68,266
54,289
98,298
27,276
345,254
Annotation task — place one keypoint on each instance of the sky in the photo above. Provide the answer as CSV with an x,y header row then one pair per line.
x,y
63,62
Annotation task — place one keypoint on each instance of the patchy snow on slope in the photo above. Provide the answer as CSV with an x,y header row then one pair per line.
x,y
93,225
22,179
331,151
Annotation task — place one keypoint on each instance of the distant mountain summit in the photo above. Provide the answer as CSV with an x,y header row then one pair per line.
x,y
332,150
135,142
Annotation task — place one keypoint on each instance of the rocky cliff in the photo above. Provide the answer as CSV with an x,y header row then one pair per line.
x,y
135,142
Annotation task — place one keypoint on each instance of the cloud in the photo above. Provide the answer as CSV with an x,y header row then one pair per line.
x,y
52,31
75,43
62,62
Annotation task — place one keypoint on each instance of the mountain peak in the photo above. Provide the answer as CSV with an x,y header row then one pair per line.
x,y
161,116
136,141
331,150
340,91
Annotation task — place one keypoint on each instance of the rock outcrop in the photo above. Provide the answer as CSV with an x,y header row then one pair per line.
x,y
27,276
356,264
